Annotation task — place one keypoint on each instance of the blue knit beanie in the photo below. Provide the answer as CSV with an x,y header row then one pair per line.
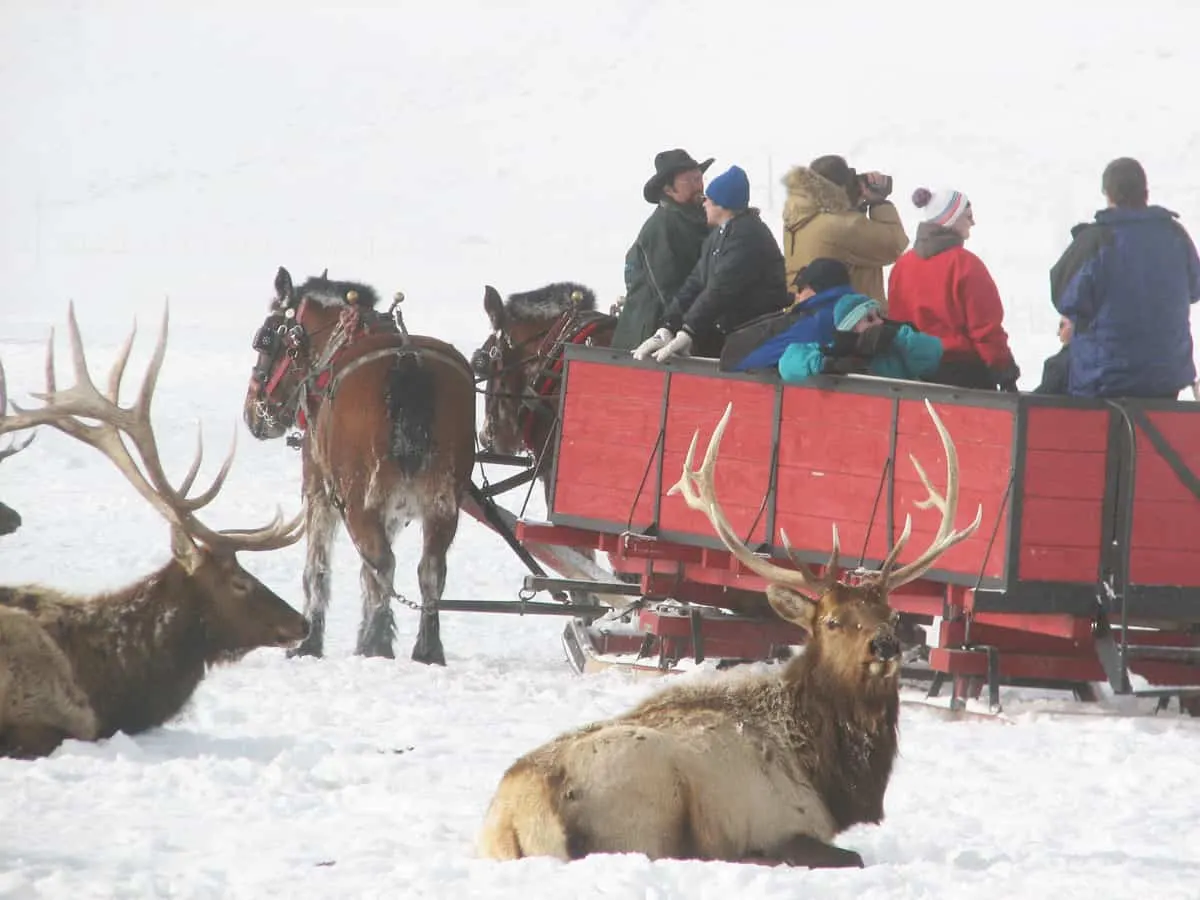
x,y
730,189
852,309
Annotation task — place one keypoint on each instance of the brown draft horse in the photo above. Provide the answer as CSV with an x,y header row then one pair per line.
x,y
387,424
521,365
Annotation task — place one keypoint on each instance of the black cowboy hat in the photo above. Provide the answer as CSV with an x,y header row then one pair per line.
x,y
667,165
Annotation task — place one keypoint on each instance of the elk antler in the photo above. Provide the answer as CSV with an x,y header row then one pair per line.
x,y
700,494
946,536
13,447
63,410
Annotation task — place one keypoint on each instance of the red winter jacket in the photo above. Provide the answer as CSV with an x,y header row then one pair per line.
x,y
951,295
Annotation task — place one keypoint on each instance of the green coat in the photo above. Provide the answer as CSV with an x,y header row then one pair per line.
x,y
660,260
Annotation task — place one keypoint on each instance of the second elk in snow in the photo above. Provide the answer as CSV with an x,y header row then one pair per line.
x,y
129,660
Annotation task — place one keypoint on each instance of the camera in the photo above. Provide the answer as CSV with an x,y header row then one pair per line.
x,y
879,189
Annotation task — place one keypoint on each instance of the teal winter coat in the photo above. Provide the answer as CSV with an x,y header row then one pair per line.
x,y
912,355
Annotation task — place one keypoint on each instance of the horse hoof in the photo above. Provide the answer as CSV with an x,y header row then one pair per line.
x,y
430,656
314,650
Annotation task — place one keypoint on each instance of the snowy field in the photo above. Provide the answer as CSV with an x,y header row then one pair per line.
x,y
186,151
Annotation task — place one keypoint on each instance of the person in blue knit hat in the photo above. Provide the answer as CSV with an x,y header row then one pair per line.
x,y
740,275
864,343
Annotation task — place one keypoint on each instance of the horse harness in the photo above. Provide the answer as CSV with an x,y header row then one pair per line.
x,y
349,348
544,366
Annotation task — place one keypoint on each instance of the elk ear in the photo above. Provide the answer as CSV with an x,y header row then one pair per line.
x,y
186,553
494,307
794,607
283,286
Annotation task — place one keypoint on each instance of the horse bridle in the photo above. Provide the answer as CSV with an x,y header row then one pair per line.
x,y
489,363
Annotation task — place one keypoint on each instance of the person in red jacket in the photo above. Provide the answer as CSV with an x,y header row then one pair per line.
x,y
945,290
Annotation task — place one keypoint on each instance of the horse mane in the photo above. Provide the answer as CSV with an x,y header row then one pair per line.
x,y
321,290
549,302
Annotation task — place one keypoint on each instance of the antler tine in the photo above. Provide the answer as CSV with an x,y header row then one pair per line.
x,y
699,492
946,536
62,408
15,447
273,536
832,566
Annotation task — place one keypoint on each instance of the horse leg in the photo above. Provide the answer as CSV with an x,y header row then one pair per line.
x,y
438,533
320,529
373,538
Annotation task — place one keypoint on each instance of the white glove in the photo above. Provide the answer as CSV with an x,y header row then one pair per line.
x,y
680,345
652,343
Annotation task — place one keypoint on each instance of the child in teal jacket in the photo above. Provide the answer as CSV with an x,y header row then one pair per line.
x,y
864,343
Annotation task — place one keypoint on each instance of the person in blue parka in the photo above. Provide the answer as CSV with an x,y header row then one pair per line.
x,y
819,286
864,343
1127,283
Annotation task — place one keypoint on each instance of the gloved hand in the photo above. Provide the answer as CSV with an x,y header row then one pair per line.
x,y
876,339
843,365
844,343
1007,378
652,343
680,345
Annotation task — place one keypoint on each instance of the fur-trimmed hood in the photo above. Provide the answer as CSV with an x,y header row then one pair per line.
x,y
810,194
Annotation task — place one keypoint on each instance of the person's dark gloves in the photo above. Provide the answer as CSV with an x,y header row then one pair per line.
x,y
1007,378
843,365
844,343
876,339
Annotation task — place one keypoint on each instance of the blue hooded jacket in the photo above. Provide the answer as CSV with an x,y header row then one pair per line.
x,y
1127,283
816,327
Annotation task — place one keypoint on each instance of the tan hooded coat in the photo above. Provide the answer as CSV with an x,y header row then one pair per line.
x,y
818,220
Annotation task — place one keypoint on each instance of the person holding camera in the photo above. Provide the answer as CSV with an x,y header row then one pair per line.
x,y
834,211
946,290
863,342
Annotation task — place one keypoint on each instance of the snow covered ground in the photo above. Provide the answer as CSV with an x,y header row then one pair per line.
x,y
186,151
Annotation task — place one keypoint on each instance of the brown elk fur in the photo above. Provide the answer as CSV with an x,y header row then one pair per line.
x,y
391,441
129,660
140,653
762,767
40,702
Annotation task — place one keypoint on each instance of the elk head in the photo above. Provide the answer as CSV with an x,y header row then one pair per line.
x,y
243,612
10,519
852,628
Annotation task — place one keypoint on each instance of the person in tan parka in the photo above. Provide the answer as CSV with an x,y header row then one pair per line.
x,y
833,211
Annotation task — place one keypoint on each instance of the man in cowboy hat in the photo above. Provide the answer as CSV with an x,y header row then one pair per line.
x,y
667,247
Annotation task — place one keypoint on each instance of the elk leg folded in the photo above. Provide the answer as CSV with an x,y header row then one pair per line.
x,y
805,850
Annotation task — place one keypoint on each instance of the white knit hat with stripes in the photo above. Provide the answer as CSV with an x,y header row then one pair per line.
x,y
943,207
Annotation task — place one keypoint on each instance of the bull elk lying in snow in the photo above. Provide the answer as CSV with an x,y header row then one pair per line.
x,y
10,519
766,768
87,667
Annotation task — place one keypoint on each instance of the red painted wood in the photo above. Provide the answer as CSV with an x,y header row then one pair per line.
x,y
1075,475
605,446
1155,566
1061,523
1076,430
1073,564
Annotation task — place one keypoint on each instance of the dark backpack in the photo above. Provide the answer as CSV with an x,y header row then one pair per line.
x,y
761,342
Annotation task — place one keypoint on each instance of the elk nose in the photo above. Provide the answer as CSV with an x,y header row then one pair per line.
x,y
884,647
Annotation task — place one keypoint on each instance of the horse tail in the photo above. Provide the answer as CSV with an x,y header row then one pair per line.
x,y
411,398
